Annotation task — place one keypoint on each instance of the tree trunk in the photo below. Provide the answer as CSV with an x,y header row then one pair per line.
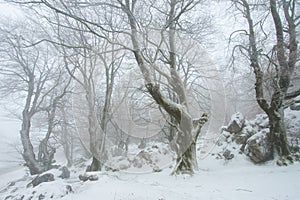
x,y
28,153
67,139
96,165
94,131
281,79
278,137
187,162
185,144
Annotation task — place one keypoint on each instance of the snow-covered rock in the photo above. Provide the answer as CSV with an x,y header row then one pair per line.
x,y
154,157
48,177
295,105
258,148
236,123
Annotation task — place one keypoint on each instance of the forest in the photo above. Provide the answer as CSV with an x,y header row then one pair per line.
x,y
149,99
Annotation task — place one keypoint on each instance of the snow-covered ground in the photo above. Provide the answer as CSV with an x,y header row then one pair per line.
x,y
217,178
9,142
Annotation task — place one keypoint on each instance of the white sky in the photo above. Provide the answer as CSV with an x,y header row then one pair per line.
x,y
8,10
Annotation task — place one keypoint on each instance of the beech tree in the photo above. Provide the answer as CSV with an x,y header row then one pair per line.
x,y
32,72
188,129
168,17
280,59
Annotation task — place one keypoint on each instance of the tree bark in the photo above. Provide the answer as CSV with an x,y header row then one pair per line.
x,y
278,139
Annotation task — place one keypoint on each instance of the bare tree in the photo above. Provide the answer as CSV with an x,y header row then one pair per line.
x,y
280,59
35,74
188,128
165,16
92,59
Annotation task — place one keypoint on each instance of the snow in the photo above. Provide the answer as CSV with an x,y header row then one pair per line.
x,y
216,179
224,183
238,118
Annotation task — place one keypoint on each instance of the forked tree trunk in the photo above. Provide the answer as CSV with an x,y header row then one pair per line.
x,y
186,163
185,144
28,152
187,129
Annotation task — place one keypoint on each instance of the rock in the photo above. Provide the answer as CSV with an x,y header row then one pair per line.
x,y
144,155
156,169
262,121
138,163
142,144
93,177
241,138
295,105
41,196
228,155
69,189
258,148
65,173
236,123
43,178
85,177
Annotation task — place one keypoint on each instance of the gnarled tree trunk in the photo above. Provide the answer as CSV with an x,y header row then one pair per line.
x,y
188,129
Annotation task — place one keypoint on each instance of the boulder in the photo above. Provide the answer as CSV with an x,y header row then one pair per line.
x,y
42,178
295,105
65,173
244,135
236,123
228,155
262,121
90,177
258,148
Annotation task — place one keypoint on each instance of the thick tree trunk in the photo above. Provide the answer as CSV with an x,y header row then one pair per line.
x,y
278,137
185,144
96,165
186,163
